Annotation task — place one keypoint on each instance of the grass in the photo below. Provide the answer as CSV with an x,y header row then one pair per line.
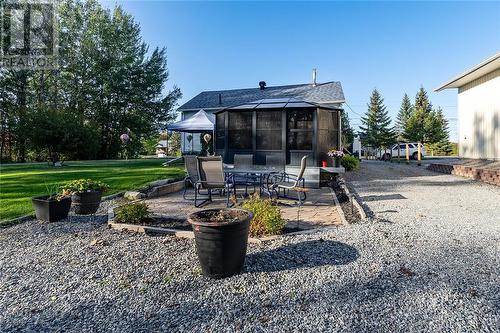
x,y
20,182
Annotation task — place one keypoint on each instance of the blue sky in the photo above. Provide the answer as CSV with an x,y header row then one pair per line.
x,y
393,46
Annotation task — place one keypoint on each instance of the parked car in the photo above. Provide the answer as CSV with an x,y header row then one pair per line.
x,y
393,151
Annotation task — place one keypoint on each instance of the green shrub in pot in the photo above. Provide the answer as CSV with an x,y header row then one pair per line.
x,y
83,185
86,194
53,206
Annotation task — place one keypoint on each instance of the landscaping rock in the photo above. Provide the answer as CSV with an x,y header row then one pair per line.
x,y
160,182
425,260
133,195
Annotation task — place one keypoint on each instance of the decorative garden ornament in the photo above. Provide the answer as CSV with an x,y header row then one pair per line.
x,y
207,137
125,138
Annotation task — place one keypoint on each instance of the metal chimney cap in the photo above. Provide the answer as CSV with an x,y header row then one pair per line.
x,y
262,85
314,77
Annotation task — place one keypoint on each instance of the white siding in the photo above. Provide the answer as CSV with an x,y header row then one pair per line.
x,y
479,117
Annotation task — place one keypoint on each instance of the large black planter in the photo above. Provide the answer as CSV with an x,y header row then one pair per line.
x,y
51,210
221,245
86,203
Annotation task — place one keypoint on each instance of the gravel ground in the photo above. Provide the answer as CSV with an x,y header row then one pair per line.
x,y
428,260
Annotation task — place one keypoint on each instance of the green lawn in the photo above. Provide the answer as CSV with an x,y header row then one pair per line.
x,y
19,182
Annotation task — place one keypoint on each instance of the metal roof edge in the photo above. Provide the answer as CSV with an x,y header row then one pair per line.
x,y
468,72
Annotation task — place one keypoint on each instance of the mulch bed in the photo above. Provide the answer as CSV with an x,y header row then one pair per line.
x,y
350,211
183,225
167,222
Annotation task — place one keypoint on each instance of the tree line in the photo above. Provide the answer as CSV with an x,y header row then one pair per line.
x,y
108,83
415,122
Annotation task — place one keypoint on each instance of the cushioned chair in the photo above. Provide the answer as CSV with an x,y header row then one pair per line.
x,y
192,177
287,182
211,172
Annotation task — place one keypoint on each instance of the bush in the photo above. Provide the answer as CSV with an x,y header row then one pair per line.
x,y
133,213
349,162
83,185
267,218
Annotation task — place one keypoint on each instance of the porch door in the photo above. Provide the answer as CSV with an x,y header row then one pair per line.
x,y
300,135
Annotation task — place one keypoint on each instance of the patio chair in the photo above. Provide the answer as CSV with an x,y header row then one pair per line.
x,y
242,161
211,172
288,182
275,162
192,177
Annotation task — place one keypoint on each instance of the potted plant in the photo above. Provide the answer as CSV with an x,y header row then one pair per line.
x,y
221,237
86,194
336,155
51,207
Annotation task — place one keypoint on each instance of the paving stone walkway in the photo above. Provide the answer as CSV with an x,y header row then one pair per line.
x,y
318,210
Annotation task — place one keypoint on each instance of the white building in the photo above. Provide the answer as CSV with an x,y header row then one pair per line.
x,y
478,109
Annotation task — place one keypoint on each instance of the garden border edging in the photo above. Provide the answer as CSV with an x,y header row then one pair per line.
x,y
189,234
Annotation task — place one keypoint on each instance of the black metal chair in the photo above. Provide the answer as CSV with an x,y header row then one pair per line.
x,y
288,182
211,172
242,161
274,162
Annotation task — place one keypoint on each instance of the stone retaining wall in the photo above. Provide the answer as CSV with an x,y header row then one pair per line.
x,y
490,176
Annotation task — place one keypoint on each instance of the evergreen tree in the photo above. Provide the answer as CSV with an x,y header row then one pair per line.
x,y
404,114
347,131
445,129
376,130
438,133
422,100
415,126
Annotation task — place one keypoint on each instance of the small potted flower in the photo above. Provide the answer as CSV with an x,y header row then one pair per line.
x,y
336,155
51,207
221,237
86,194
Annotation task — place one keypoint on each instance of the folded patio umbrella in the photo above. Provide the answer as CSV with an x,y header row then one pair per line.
x,y
199,122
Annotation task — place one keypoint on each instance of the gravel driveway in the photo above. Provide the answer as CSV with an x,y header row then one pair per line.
x,y
428,260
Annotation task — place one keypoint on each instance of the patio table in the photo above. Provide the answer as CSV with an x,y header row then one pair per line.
x,y
262,172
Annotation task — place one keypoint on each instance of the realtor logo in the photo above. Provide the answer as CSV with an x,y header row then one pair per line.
x,y
28,38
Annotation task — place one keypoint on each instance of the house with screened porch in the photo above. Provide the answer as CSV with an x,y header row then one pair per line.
x,y
288,122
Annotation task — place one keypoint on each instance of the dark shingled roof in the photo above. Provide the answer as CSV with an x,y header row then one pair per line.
x,y
277,103
329,92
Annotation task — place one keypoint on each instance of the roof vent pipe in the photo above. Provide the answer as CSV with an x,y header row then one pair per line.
x,y
262,85
220,98
314,77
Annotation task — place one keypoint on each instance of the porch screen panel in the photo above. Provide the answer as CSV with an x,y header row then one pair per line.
x,y
220,130
300,127
328,124
268,129
240,130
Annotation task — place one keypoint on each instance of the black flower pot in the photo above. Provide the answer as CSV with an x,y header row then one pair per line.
x,y
86,203
50,209
221,245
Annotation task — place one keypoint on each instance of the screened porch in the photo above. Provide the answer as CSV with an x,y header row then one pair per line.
x,y
287,128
